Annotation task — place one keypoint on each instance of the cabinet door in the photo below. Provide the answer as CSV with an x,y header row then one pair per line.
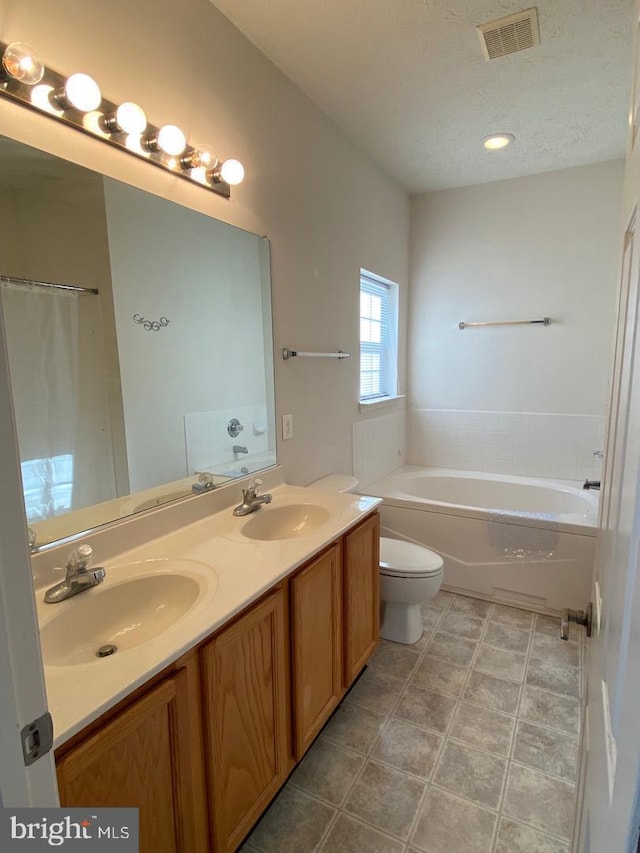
x,y
361,595
316,622
149,756
245,718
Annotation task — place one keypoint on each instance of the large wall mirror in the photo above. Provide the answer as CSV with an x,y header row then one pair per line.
x,y
148,376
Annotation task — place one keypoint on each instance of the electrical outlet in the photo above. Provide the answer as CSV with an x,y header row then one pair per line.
x,y
287,427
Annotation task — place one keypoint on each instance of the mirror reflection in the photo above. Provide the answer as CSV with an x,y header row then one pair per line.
x,y
139,341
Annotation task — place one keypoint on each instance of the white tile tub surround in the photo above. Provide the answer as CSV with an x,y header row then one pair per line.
x,y
529,444
379,446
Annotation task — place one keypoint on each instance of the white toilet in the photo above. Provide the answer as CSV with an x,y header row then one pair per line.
x,y
410,575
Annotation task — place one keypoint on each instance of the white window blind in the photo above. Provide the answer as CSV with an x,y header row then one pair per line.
x,y
378,336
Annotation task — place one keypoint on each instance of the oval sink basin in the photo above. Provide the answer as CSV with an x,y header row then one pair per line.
x,y
285,522
124,614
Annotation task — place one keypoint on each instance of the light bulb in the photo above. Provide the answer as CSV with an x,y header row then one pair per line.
x,y
128,118
42,96
19,60
171,140
232,172
497,141
81,92
202,157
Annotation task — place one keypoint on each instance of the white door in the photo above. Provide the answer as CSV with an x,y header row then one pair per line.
x,y
611,812
22,691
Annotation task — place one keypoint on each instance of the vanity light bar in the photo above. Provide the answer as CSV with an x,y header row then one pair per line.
x,y
78,102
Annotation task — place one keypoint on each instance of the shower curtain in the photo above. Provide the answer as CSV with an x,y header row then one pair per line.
x,y
58,381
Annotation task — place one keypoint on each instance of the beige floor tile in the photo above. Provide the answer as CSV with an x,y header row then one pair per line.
x,y
294,823
447,824
328,771
547,750
483,728
512,616
517,838
385,798
421,644
408,748
558,712
440,675
553,676
426,708
507,637
354,727
546,804
377,691
492,692
500,662
555,649
350,836
462,625
471,606
430,617
394,659
451,648
471,774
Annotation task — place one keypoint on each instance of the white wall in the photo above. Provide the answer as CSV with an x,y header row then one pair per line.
x,y
545,245
327,210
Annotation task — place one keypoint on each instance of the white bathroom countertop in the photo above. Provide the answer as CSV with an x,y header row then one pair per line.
x,y
232,571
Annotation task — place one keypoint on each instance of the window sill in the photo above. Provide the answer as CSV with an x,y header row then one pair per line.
x,y
381,403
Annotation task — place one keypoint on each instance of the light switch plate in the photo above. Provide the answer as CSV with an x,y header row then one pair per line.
x,y
287,427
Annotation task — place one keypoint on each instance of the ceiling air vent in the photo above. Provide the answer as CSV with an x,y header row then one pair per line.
x,y
510,34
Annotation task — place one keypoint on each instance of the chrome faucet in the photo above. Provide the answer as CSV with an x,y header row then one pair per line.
x,y
238,448
252,499
591,484
79,576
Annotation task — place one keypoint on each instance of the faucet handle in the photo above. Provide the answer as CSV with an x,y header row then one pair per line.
x,y
252,490
80,558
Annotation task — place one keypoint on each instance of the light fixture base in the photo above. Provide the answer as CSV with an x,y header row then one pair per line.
x,y
22,93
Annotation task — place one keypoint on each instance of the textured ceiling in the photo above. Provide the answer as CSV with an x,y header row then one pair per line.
x,y
407,82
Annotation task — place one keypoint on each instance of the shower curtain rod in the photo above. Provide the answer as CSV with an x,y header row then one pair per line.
x,y
33,283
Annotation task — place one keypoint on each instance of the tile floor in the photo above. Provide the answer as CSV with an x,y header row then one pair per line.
x,y
466,742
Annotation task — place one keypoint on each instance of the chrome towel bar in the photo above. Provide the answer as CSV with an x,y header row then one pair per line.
x,y
293,353
546,321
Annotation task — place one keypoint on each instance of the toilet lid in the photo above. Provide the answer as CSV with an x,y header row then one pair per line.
x,y
407,559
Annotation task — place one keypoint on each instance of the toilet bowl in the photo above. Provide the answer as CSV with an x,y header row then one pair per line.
x,y
410,575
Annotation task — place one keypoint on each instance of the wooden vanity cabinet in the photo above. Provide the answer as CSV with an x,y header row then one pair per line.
x,y
361,595
148,756
245,716
316,645
204,747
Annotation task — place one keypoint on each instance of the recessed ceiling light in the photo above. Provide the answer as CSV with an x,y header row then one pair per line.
x,y
497,141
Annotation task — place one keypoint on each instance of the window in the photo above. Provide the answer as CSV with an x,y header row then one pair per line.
x,y
48,486
378,337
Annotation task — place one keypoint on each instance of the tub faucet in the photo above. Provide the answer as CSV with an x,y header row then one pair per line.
x,y
78,578
591,484
252,499
238,448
